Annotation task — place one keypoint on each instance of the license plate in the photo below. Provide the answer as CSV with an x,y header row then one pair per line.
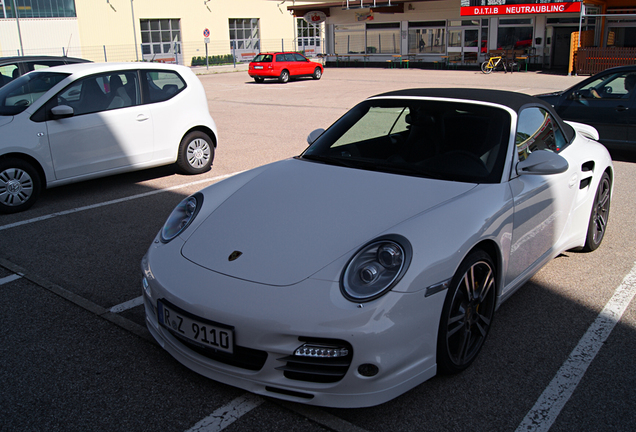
x,y
258,67
197,330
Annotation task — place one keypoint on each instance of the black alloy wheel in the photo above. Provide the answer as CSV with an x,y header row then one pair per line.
x,y
468,312
600,214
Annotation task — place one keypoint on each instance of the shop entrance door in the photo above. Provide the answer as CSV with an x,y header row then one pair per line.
x,y
463,44
561,46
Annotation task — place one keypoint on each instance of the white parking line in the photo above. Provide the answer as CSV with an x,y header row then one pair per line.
x,y
7,279
106,203
127,305
228,414
555,396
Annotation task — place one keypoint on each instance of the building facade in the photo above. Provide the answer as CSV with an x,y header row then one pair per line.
x,y
150,30
432,31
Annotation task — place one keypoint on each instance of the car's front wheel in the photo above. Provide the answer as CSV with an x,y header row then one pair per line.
x,y
600,214
317,74
196,153
468,312
19,185
284,76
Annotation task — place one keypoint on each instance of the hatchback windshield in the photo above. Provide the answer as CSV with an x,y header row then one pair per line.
x,y
22,92
262,58
437,139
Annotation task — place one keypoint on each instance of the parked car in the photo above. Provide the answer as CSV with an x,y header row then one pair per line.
x,y
354,272
605,101
13,67
82,121
283,66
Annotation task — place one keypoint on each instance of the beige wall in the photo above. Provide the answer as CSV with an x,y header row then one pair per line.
x,y
106,25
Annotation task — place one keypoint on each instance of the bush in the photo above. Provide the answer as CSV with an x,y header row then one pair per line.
x,y
213,60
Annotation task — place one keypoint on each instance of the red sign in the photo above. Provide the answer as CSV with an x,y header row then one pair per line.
x,y
521,9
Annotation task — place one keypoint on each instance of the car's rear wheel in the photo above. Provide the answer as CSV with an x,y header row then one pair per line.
x,y
600,214
259,79
468,312
284,76
196,153
20,185
317,74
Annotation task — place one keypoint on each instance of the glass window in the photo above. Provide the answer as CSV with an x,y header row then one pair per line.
x,y
427,37
308,37
349,39
8,73
514,37
610,86
157,37
162,85
22,92
385,38
39,8
537,130
244,33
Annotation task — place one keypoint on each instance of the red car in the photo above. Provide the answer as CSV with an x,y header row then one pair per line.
x,y
283,66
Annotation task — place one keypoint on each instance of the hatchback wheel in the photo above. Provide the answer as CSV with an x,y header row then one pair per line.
x,y
284,76
196,153
468,312
317,74
19,185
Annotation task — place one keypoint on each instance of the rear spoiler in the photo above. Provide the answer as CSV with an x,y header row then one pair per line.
x,y
584,129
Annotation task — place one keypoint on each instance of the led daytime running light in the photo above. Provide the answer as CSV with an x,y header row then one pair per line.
x,y
321,351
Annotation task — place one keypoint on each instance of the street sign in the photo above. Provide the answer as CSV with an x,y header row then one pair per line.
x,y
206,33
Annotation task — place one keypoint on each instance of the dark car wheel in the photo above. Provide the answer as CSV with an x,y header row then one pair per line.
x,y
259,79
468,312
284,76
600,214
317,74
196,153
19,185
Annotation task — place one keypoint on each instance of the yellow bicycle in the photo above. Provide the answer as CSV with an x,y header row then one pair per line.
x,y
498,62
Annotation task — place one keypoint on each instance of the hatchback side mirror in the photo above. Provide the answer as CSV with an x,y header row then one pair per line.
x,y
62,111
542,162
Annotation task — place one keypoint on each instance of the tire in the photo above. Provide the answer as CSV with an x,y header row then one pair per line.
x,y
485,68
259,79
20,185
284,76
196,153
599,215
466,317
317,74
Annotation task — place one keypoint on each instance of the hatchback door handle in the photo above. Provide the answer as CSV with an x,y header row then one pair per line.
x,y
621,108
142,117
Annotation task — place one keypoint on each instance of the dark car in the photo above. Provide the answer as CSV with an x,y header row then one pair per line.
x,y
13,67
605,101
283,66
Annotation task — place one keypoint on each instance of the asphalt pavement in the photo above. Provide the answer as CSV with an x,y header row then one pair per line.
x,y
76,356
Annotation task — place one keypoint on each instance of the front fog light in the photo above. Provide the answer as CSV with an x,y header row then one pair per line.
x,y
321,351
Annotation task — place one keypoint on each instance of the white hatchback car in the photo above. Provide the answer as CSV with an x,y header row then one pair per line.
x,y
77,122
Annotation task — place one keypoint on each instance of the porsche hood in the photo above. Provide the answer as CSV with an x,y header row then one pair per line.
x,y
296,217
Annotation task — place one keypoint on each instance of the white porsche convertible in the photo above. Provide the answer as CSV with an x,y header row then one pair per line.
x,y
377,258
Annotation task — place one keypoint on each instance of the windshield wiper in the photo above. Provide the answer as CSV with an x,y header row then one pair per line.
x,y
331,160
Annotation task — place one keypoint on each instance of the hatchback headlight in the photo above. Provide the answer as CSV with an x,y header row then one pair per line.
x,y
376,268
183,214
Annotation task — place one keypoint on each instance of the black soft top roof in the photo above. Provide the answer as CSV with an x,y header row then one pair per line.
x,y
509,99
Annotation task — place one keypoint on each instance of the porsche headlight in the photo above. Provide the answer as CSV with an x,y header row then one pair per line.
x,y
183,214
376,268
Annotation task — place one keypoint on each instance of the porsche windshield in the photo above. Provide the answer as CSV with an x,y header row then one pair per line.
x,y
22,92
428,138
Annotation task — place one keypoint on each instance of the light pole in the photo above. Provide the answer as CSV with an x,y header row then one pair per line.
x,y
132,9
17,21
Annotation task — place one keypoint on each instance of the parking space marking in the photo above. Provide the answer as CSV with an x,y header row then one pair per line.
x,y
228,414
555,396
11,278
116,201
127,305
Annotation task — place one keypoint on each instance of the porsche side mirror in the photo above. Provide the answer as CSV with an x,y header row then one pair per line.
x,y
313,135
62,111
542,162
